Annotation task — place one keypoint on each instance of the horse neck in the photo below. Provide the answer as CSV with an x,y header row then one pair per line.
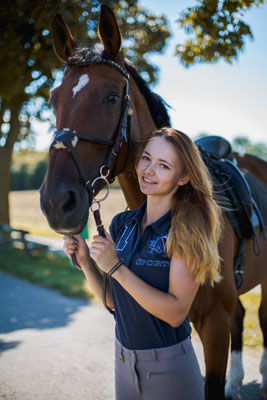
x,y
142,125
143,122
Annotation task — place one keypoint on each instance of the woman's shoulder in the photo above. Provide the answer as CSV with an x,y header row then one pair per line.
x,y
123,217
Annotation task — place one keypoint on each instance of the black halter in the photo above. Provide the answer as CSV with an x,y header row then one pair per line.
x,y
68,139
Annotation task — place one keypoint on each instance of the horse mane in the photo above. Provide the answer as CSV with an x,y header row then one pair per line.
x,y
96,53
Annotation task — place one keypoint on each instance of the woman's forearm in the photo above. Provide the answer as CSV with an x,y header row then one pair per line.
x,y
162,305
95,280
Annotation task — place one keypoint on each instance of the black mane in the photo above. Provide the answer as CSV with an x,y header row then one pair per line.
x,y
96,53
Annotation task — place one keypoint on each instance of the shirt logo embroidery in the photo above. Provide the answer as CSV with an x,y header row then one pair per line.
x,y
122,243
153,263
157,246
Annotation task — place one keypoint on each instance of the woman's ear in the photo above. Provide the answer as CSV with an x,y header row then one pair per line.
x,y
183,181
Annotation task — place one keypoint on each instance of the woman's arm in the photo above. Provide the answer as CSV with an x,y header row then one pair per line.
x,y
79,247
171,307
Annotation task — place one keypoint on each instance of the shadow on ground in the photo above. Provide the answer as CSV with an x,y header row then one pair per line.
x,y
27,306
250,391
8,345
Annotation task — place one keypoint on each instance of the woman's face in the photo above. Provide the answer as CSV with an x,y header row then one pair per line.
x,y
160,170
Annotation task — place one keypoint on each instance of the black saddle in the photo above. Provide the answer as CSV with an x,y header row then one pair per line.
x,y
233,194
230,186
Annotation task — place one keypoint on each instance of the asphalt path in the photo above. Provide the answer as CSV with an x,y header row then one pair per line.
x,y
54,348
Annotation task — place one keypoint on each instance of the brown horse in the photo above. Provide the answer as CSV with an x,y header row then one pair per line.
x,y
252,167
91,101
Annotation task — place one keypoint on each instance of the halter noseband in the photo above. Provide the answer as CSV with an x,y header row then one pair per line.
x,y
68,139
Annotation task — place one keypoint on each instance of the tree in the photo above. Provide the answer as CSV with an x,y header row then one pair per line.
x,y
242,144
28,64
217,30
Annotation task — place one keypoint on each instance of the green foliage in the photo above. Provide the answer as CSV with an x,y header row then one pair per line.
x,y
51,270
25,179
217,30
242,144
26,52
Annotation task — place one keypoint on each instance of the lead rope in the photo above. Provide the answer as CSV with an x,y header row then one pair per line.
x,y
100,230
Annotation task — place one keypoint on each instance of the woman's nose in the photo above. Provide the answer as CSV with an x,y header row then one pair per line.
x,y
150,169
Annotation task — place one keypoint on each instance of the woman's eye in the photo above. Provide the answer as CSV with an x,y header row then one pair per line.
x,y
164,166
113,98
145,158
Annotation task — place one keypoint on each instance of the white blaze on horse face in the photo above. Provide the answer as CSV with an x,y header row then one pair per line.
x,y
84,79
235,376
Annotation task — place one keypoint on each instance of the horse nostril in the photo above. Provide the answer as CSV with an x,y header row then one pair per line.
x,y
69,202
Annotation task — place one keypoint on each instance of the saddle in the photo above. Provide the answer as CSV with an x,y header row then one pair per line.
x,y
232,192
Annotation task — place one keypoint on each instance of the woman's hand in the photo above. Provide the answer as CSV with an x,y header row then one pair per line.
x,y
77,246
103,252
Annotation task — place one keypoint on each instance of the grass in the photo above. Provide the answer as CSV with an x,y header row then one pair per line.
x,y
25,212
252,336
47,269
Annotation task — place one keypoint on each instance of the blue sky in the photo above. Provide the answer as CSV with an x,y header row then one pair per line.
x,y
220,99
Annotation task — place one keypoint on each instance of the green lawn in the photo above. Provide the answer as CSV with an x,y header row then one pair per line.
x,y
47,269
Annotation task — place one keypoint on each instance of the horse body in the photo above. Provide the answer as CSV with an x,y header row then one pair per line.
x,y
93,106
255,170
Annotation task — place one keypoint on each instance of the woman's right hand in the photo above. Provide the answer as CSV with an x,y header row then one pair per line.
x,y
76,245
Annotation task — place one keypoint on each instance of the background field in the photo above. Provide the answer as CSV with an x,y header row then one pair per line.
x,y
26,214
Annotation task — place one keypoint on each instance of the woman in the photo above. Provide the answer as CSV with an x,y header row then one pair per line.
x,y
156,258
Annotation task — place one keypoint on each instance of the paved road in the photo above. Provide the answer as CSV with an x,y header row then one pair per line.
x,y
56,348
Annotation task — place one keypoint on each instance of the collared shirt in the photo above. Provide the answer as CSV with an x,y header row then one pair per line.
x,y
145,256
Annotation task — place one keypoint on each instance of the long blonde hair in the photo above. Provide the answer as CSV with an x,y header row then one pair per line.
x,y
196,218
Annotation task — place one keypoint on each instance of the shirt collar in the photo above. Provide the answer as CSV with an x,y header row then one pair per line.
x,y
160,226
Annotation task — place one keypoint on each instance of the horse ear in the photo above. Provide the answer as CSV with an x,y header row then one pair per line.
x,y
63,40
109,32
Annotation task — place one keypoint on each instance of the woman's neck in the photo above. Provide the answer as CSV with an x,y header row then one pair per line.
x,y
156,208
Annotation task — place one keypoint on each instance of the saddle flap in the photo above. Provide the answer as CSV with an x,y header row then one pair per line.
x,y
238,192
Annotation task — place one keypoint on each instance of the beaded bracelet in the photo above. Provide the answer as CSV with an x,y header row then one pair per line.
x,y
116,266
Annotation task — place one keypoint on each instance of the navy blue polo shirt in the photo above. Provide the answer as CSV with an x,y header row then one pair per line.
x,y
136,328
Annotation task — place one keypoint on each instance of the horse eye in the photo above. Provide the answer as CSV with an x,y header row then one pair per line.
x,y
112,98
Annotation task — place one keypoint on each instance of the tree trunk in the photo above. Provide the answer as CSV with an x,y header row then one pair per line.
x,y
5,163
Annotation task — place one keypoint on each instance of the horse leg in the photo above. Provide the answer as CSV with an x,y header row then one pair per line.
x,y
263,324
236,372
214,332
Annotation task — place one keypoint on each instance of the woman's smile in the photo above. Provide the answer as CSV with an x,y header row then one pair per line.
x,y
148,181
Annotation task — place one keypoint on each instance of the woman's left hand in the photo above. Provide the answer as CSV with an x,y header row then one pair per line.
x,y
103,252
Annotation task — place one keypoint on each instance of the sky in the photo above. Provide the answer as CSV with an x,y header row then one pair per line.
x,y
222,99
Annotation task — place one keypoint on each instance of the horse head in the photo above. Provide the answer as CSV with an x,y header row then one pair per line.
x,y
95,120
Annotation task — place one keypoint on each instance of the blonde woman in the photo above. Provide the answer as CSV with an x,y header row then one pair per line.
x,y
156,258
